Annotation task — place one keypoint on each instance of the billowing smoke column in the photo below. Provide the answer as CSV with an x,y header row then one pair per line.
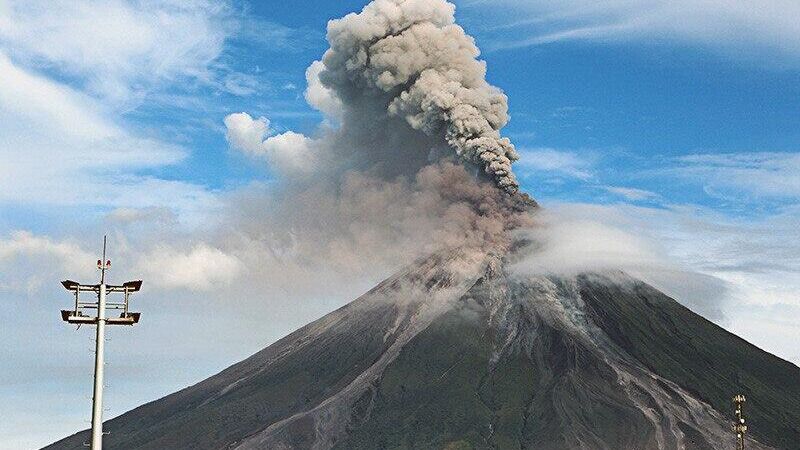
x,y
390,176
411,55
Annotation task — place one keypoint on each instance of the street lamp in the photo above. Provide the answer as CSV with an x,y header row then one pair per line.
x,y
94,313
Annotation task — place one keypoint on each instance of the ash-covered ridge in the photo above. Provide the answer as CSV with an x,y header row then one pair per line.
x,y
455,353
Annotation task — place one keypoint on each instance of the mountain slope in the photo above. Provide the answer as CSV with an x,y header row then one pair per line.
x,y
701,357
454,353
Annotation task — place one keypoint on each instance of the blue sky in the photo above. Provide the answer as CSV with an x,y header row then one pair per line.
x,y
677,122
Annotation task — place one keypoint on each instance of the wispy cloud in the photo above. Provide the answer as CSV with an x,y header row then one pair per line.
x,y
272,36
741,268
735,181
739,29
61,146
632,194
554,161
117,50
74,75
749,174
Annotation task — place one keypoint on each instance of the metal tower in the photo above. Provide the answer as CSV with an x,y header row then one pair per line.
x,y
80,316
739,426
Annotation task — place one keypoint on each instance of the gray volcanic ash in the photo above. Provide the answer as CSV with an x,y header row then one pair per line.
x,y
411,56
410,159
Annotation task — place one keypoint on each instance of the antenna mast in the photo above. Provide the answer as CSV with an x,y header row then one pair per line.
x,y
79,316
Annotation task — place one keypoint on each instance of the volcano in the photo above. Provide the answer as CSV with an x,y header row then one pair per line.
x,y
457,351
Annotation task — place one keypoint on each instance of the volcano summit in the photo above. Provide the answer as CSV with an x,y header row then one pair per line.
x,y
456,353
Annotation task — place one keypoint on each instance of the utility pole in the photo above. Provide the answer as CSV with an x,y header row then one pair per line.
x,y
79,316
739,426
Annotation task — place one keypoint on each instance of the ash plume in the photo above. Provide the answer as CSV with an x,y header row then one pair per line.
x,y
363,224
408,162
408,59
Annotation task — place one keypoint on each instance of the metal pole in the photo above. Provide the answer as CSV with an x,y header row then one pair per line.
x,y
80,317
99,350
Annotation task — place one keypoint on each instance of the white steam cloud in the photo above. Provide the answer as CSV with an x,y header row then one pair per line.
x,y
573,239
200,268
288,152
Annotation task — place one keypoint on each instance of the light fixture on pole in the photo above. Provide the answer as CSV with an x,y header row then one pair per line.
x,y
94,313
739,426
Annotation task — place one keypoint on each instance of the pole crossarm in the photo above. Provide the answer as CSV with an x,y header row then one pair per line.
x,y
129,287
74,286
81,319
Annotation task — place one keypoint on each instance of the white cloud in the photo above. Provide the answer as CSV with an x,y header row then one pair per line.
x,y
271,36
71,70
739,177
631,194
554,161
758,174
245,133
288,152
240,84
202,268
735,272
135,215
33,107
28,262
318,96
38,102
763,253
24,244
740,29
120,48
193,205
573,244
776,329
128,51
60,147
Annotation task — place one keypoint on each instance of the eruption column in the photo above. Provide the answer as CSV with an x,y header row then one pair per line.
x,y
409,59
